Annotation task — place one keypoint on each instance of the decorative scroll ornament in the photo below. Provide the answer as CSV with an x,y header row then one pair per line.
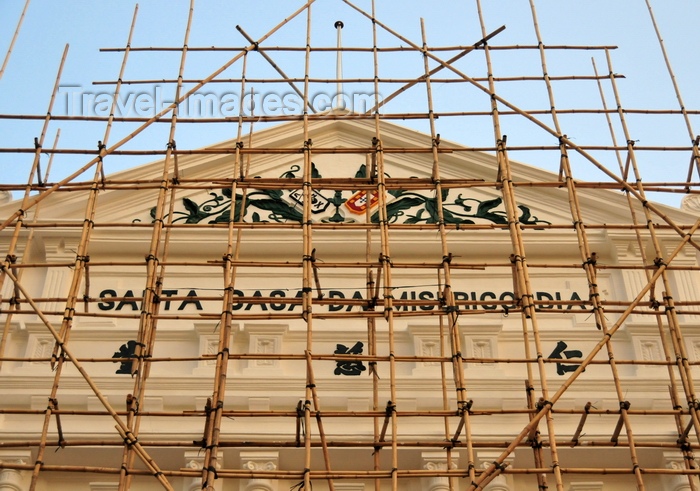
x,y
280,206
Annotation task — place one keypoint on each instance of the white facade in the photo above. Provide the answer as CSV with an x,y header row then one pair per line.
x,y
409,356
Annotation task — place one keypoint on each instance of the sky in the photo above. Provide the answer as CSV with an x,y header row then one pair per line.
x,y
26,85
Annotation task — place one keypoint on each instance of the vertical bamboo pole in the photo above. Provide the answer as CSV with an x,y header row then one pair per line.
x,y
30,238
519,287
307,230
587,258
669,68
447,293
372,300
121,427
631,158
212,430
674,329
385,259
220,377
155,270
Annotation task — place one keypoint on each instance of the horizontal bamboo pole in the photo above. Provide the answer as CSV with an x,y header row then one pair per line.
x,y
478,443
206,263
414,183
385,49
350,226
354,80
366,358
401,311
188,415
227,473
326,116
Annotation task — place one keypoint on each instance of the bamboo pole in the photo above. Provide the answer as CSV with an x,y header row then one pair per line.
x,y
150,121
155,272
212,431
383,80
14,38
67,354
385,258
428,73
273,65
361,49
569,144
448,294
15,302
631,160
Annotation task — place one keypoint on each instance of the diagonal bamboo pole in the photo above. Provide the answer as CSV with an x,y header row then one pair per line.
x,y
121,426
14,38
277,68
156,117
493,469
570,144
483,42
15,303
631,159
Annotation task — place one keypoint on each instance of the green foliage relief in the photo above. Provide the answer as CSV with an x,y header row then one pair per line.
x,y
278,206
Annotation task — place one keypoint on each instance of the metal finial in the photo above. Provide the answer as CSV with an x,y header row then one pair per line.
x,y
339,102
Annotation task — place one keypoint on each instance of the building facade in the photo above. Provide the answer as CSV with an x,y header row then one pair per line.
x,y
356,306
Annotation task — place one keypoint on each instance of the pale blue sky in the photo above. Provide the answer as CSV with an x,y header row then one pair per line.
x,y
88,26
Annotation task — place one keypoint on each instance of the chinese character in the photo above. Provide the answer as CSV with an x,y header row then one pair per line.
x,y
127,350
349,367
561,367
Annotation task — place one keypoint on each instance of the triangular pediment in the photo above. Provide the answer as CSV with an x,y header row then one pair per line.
x,y
271,196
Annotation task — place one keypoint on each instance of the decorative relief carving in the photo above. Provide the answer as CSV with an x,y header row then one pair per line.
x,y
194,459
264,340
437,461
430,347
14,479
265,346
678,482
650,350
691,203
260,462
482,348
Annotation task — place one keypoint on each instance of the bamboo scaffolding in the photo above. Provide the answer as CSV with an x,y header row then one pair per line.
x,y
649,289
211,439
463,404
155,272
631,159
